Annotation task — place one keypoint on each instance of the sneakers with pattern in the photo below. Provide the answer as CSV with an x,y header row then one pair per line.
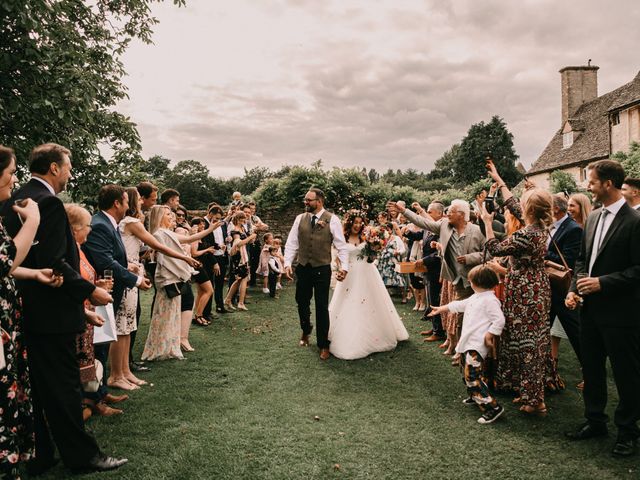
x,y
491,416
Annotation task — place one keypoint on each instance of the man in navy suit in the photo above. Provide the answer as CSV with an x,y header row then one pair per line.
x,y
565,237
53,318
105,251
610,322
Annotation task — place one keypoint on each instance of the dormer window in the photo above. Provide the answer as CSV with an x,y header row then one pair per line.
x,y
615,118
567,139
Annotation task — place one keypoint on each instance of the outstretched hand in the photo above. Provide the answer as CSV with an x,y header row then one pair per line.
x,y
438,310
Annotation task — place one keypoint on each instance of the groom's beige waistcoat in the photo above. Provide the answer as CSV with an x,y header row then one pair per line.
x,y
314,244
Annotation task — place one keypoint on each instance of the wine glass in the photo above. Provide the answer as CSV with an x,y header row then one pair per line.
x,y
107,275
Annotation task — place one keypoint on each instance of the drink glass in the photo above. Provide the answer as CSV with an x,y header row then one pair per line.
x,y
108,275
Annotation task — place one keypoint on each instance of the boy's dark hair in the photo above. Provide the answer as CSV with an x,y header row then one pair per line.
x,y
108,195
196,221
482,276
216,210
168,194
633,182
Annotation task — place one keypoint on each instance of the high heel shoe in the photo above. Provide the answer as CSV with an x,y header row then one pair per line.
x,y
230,307
534,411
242,307
186,348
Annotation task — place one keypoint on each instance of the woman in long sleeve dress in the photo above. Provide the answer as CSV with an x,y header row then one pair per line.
x,y
525,342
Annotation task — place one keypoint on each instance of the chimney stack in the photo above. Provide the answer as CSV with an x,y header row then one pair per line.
x,y
579,85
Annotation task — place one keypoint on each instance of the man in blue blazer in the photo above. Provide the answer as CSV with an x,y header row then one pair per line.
x,y
567,236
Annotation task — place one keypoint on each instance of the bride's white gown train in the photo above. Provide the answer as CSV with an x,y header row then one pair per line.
x,y
362,315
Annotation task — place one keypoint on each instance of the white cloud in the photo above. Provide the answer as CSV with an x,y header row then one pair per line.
x,y
390,83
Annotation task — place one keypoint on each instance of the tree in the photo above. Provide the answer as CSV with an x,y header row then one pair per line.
x,y
562,181
484,139
192,180
445,165
61,77
630,161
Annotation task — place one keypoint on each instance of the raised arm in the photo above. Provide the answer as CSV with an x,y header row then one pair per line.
x,y
136,228
199,235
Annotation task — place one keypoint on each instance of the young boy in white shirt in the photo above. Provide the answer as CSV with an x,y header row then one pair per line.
x,y
483,322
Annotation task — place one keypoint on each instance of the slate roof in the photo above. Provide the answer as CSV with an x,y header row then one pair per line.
x,y
591,126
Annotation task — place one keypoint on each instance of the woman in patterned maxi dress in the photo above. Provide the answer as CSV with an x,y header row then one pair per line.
x,y
525,342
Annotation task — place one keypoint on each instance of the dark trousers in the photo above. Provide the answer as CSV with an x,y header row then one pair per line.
x,y
314,282
57,400
132,335
272,282
622,346
569,319
218,285
255,249
433,287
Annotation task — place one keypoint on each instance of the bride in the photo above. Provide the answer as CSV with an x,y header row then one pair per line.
x,y
363,319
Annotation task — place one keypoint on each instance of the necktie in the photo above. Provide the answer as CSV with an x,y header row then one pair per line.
x,y
314,219
603,216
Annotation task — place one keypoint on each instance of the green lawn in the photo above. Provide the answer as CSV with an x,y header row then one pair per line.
x,y
251,404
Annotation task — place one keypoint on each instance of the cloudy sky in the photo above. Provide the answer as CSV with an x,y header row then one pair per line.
x,y
375,83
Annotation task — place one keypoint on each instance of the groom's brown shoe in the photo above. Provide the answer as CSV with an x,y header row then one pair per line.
x,y
304,340
324,354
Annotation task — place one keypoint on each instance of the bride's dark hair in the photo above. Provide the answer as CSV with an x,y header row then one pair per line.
x,y
349,219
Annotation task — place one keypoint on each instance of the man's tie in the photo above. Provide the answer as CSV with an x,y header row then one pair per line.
x,y
314,219
603,217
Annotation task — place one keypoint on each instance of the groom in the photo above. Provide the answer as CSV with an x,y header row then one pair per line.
x,y
311,238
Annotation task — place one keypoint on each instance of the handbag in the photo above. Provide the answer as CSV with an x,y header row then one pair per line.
x,y
174,289
559,275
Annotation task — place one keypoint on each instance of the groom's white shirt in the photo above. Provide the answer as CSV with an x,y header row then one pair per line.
x,y
291,247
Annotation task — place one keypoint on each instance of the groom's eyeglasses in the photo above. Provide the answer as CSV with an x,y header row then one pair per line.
x,y
309,200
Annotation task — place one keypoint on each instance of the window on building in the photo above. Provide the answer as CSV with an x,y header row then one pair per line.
x,y
615,118
567,139
584,173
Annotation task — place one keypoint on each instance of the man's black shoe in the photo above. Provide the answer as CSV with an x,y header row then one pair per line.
x,y
39,467
222,310
625,448
587,430
102,463
138,367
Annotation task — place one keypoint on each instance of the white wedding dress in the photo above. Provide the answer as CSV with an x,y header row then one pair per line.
x,y
363,319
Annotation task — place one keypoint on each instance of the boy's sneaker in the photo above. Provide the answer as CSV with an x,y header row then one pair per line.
x,y
491,416
278,286
468,402
265,290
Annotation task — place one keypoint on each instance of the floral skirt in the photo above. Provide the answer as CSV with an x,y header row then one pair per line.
x,y
163,340
126,314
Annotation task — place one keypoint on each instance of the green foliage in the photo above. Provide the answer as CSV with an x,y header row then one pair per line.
x,y
445,165
630,161
484,139
562,181
61,77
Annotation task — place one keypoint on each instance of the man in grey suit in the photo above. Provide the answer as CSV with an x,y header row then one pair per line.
x,y
610,324
462,243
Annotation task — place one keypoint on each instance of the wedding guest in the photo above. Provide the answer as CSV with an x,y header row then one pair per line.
x,y
263,265
95,402
274,270
255,248
432,260
483,323
609,259
631,192
187,299
204,287
236,199
579,208
163,340
564,238
220,261
16,420
106,251
461,243
239,262
170,198
277,242
524,346
389,257
53,318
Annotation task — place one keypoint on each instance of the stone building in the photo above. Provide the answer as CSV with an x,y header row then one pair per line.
x,y
592,127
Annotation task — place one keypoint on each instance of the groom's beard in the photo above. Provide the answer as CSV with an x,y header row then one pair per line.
x,y
307,208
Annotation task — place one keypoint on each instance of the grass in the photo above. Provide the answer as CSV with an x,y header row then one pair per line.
x,y
251,404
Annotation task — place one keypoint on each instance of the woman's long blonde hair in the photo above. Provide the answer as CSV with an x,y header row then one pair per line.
x,y
585,207
156,214
538,207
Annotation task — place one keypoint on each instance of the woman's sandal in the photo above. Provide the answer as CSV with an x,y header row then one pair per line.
x,y
534,411
200,320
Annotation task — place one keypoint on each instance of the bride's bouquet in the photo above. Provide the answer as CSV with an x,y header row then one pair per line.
x,y
375,238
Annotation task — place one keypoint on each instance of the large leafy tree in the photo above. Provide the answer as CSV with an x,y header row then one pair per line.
x,y
61,77
484,139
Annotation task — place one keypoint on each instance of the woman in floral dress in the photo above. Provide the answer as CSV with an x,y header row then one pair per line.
x,y
389,257
525,342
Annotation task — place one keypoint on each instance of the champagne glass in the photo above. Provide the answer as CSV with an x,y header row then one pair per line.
x,y
580,276
23,203
108,276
